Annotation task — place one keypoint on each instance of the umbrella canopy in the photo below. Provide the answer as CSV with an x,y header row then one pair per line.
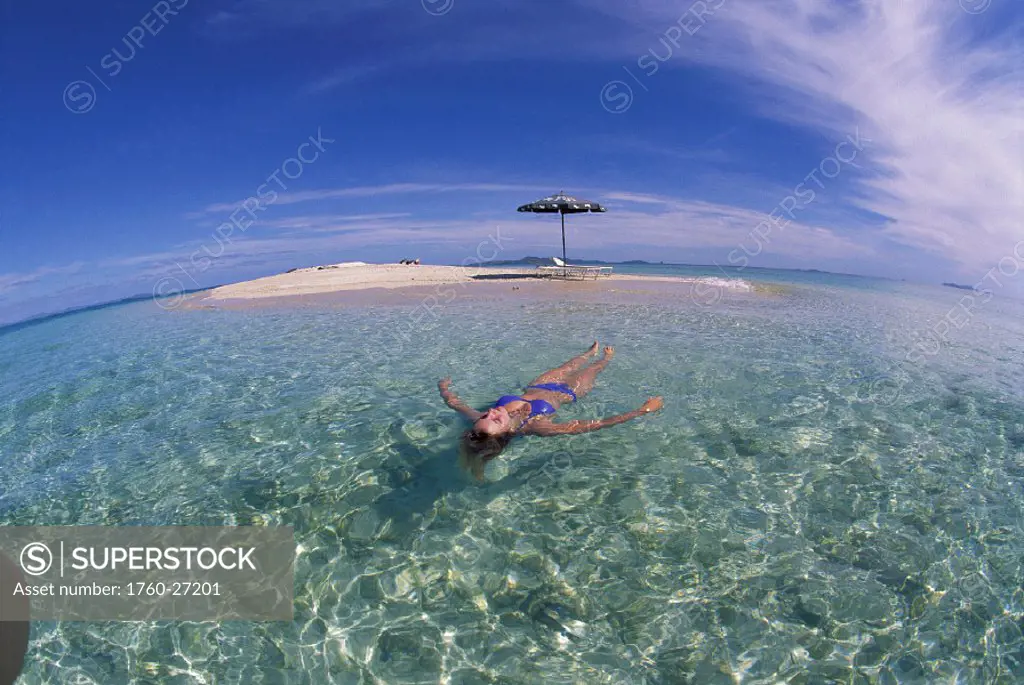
x,y
562,204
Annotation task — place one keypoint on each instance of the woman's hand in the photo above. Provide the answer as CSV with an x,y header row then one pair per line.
x,y
652,404
453,401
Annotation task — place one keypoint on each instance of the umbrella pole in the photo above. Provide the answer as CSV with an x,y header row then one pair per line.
x,y
564,258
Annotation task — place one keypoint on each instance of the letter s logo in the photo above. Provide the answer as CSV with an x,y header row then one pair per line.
x,y
36,559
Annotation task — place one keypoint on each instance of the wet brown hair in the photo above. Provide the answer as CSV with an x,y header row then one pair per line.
x,y
478,448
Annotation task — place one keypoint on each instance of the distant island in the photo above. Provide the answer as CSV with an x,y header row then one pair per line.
x,y
546,261
960,287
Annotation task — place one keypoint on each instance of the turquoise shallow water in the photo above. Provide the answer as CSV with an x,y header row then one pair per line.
x,y
810,507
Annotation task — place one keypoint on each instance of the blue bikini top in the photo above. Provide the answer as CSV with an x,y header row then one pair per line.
x,y
538,407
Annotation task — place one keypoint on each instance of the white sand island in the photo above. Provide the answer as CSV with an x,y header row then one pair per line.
x,y
369,283
351,276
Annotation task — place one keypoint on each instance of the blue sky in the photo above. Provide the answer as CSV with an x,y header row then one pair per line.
x,y
133,133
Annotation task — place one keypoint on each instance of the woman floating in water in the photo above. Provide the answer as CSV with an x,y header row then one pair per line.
x,y
528,414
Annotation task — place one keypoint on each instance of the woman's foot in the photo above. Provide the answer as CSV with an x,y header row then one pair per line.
x,y
608,352
592,351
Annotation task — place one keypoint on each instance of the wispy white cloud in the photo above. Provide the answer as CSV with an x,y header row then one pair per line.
x,y
381,190
405,35
638,221
343,76
10,281
687,225
315,222
944,112
248,15
640,198
706,152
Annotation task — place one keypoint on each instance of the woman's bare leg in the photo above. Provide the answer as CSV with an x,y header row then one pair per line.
x,y
561,373
583,382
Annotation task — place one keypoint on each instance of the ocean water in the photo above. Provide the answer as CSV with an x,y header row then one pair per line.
x,y
832,494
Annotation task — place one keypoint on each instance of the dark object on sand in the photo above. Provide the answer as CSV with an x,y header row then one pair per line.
x,y
562,204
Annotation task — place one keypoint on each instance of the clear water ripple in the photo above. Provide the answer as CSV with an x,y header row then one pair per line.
x,y
810,507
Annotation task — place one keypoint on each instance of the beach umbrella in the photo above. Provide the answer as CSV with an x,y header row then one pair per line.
x,y
563,204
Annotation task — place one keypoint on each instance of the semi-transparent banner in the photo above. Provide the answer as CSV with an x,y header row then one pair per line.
x,y
139,573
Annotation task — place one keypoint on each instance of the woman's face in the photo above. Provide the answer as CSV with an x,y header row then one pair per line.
x,y
494,422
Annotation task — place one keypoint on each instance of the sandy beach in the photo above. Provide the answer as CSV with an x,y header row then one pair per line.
x,y
362,283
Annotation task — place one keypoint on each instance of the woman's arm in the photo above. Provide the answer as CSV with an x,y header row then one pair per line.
x,y
574,427
453,401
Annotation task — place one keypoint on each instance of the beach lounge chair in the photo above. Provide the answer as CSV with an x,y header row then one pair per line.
x,y
572,271
594,271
